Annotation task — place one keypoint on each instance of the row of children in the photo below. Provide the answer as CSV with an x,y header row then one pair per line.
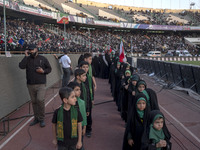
x,y
138,106
73,119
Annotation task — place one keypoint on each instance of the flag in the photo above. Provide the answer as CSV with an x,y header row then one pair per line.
x,y
21,41
122,57
110,49
63,20
10,41
47,39
2,41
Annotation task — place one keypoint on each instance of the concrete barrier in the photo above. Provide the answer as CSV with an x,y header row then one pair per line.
x,y
13,90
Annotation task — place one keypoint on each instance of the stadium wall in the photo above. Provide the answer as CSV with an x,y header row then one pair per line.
x,y
186,76
13,90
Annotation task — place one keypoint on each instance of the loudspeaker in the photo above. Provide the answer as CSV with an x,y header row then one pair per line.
x,y
177,74
196,71
187,75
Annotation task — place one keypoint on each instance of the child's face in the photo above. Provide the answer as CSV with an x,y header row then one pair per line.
x,y
77,91
158,124
85,68
128,74
141,105
83,77
118,66
71,100
89,59
141,87
134,83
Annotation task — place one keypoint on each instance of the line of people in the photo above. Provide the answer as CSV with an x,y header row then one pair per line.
x,y
73,119
138,105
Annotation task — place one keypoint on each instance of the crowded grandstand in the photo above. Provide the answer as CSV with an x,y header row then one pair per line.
x,y
97,27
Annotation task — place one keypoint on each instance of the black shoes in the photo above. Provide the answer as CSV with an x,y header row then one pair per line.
x,y
42,124
35,121
88,134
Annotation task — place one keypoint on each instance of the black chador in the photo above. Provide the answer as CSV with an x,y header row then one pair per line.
x,y
150,95
151,135
124,95
118,76
132,91
96,64
135,125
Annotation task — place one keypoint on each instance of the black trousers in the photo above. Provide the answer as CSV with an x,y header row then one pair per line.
x,y
89,122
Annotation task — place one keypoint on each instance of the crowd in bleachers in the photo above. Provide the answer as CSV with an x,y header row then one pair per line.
x,y
159,17
79,40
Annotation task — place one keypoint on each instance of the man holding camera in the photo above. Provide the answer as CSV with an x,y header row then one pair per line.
x,y
37,67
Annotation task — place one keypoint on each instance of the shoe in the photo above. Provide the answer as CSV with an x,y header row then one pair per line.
x,y
88,134
42,123
35,121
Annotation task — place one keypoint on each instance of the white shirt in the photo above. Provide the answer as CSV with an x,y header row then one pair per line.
x,y
65,61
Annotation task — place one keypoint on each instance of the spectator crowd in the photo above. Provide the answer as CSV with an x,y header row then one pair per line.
x,y
21,33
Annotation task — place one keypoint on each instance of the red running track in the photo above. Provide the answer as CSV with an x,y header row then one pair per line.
x,y
182,113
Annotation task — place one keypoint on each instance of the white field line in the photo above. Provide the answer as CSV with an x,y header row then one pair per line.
x,y
186,129
17,131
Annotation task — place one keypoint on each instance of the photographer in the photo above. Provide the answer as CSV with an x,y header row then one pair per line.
x,y
37,67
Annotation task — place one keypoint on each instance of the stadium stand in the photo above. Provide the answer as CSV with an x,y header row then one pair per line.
x,y
39,4
79,39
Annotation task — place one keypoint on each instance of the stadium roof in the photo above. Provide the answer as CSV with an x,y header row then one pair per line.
x,y
161,4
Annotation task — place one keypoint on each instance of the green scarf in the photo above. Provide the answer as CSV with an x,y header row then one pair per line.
x,y
60,131
156,135
90,80
90,70
147,96
84,93
90,85
140,112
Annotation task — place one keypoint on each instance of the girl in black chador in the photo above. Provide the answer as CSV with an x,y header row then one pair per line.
x,y
118,76
156,135
124,95
132,91
136,124
149,93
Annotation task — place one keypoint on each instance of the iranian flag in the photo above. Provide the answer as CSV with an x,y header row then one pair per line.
x,y
11,41
122,57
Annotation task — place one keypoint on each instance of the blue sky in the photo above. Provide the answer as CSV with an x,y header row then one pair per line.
x,y
165,4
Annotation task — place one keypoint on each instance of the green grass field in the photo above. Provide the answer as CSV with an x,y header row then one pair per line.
x,y
197,63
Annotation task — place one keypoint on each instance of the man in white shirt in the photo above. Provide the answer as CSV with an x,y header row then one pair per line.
x,y
66,65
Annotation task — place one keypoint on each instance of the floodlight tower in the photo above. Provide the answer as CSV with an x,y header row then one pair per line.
x,y
4,15
192,4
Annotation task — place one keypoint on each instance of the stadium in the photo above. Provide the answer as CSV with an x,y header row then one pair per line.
x,y
161,45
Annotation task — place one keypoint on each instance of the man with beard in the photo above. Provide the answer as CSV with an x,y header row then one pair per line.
x,y
37,67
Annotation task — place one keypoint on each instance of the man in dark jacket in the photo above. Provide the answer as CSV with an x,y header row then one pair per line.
x,y
37,67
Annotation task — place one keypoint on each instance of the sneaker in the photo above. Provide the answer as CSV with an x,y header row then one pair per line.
x,y
88,134
35,121
42,123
